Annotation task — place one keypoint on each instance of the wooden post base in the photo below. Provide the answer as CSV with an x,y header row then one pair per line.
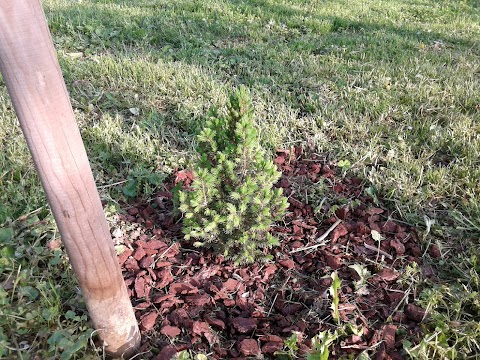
x,y
34,80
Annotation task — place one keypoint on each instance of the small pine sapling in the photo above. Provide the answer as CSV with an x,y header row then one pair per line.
x,y
233,202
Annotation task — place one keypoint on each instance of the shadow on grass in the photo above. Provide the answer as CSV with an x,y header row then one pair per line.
x,y
253,43
292,56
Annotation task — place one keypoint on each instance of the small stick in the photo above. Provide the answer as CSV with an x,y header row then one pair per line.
x,y
321,238
380,251
161,255
407,293
273,303
110,185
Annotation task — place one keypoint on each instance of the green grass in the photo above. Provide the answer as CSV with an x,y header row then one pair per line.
x,y
392,86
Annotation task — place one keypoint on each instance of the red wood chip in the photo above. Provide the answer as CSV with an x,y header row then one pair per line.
x,y
279,160
165,277
315,168
395,355
180,318
287,263
416,251
167,353
284,183
398,246
375,211
148,321
231,285
269,270
244,274
389,227
338,188
149,224
244,325
271,338
140,287
248,347
353,339
133,211
333,261
295,203
152,244
242,302
338,232
414,312
152,273
374,226
184,175
131,264
170,331
291,309
139,253
143,305
388,275
151,252
161,264
146,262
172,251
202,328
376,338
214,322
198,293
57,243
167,305
160,298
198,299
389,336
148,211
229,302
206,273
182,288
297,230
381,352
341,213
435,251
124,256
271,347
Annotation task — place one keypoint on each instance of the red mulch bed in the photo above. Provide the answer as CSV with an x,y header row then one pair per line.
x,y
188,298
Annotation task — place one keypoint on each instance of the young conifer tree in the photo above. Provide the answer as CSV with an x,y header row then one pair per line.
x,y
233,202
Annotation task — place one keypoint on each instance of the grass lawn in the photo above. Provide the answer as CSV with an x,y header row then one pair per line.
x,y
392,87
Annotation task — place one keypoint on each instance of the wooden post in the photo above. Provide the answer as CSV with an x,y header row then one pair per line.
x,y
34,80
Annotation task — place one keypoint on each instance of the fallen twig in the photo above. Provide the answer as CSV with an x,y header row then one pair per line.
x,y
321,238
405,296
380,251
273,303
110,185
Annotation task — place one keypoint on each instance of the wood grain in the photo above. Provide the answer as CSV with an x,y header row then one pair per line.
x,y
34,80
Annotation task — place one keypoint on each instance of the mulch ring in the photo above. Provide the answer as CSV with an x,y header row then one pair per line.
x,y
186,298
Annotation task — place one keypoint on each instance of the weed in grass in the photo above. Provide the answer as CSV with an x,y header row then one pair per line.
x,y
320,345
333,290
452,328
290,347
41,313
